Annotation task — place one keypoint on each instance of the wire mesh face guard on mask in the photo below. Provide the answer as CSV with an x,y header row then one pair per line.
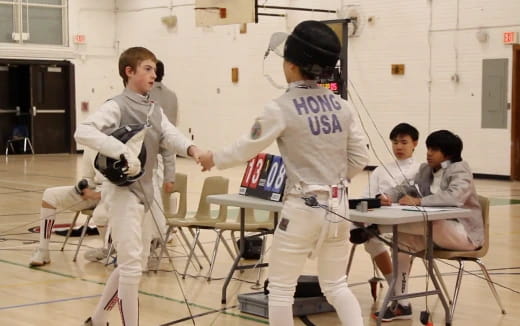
x,y
114,169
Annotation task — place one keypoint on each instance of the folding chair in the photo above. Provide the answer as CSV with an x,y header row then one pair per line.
x,y
20,133
203,219
252,224
462,256
88,213
179,213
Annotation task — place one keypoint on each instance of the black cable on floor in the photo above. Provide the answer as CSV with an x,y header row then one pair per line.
x,y
198,315
306,321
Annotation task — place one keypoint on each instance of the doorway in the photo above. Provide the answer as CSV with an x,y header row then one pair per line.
x,y
515,115
38,97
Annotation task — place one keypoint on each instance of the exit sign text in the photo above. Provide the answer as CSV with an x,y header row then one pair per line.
x,y
510,37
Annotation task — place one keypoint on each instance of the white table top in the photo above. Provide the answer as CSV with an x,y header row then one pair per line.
x,y
383,215
391,216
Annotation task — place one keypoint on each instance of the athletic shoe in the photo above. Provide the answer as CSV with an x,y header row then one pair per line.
x,y
96,254
77,232
152,264
396,311
40,257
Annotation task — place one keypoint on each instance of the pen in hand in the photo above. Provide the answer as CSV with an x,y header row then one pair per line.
x,y
385,200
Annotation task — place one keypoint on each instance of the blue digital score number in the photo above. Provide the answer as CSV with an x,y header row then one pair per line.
x,y
276,177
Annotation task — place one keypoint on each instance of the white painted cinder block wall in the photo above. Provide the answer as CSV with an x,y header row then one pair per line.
x,y
428,36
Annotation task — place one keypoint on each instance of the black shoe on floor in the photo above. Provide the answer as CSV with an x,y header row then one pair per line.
x,y
396,311
77,232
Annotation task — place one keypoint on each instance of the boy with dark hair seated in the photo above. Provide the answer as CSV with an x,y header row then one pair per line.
x,y
446,180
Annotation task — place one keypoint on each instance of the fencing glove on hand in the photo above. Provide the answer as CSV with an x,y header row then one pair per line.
x,y
132,150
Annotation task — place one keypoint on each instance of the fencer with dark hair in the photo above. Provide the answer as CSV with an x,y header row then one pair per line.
x,y
322,147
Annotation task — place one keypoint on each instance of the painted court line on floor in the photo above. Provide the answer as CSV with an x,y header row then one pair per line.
x,y
49,301
238,315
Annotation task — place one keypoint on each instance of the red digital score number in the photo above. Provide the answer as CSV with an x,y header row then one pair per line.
x,y
332,86
248,173
257,170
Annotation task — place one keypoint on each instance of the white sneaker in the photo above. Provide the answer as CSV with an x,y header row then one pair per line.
x,y
96,254
152,264
40,257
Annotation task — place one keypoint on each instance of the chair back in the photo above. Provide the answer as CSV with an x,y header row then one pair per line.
x,y
214,185
484,206
249,214
481,252
180,187
20,131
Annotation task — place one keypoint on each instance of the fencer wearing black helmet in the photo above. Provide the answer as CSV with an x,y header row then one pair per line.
x,y
314,47
322,148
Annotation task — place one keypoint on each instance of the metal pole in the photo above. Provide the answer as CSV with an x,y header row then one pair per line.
x,y
298,9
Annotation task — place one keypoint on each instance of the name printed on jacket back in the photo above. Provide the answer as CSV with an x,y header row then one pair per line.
x,y
321,113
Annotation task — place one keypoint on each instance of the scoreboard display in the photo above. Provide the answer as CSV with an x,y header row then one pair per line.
x,y
334,82
331,84
264,177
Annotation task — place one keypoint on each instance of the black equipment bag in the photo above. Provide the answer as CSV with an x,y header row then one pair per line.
x,y
252,248
308,286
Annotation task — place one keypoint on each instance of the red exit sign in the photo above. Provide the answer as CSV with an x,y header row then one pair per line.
x,y
80,39
510,37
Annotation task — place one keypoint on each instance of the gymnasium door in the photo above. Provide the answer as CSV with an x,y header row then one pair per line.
x,y
39,95
51,108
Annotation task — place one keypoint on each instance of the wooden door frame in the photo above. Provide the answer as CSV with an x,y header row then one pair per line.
x,y
515,114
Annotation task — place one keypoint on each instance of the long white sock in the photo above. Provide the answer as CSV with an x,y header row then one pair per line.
x,y
129,303
401,284
347,306
281,316
102,229
47,217
108,300
388,278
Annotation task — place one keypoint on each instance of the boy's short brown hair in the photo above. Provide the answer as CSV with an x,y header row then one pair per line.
x,y
132,57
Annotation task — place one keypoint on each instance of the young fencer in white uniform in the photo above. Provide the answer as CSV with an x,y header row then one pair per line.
x,y
322,147
70,198
127,204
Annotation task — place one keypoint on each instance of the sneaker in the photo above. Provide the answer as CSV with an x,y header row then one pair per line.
x,y
96,254
152,264
40,257
77,232
396,311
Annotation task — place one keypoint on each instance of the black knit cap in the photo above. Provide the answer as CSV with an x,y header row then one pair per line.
x,y
314,47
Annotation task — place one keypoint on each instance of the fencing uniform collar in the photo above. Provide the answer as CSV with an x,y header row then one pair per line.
x,y
445,164
137,98
303,84
405,162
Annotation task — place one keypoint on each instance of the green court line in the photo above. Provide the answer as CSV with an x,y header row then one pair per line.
x,y
503,201
260,321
